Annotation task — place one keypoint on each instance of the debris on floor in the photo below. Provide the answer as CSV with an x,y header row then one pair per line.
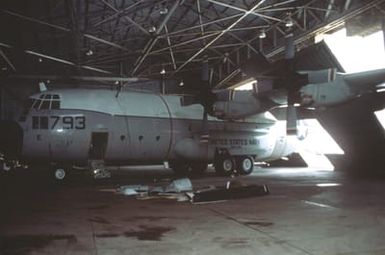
x,y
229,191
182,190
179,185
130,189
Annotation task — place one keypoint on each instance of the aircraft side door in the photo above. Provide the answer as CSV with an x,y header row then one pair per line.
x,y
98,145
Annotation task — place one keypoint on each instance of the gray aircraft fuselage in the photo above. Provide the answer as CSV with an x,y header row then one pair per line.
x,y
75,125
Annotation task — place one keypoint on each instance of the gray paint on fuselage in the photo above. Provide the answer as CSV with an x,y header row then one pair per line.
x,y
141,127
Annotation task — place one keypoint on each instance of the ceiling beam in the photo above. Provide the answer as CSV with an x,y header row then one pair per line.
x,y
242,10
141,28
219,36
169,45
154,40
7,60
120,12
56,59
92,37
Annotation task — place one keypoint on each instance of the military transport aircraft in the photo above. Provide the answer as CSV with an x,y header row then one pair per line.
x,y
97,127
101,127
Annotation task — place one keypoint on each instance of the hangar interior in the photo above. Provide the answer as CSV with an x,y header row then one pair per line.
x,y
167,41
161,46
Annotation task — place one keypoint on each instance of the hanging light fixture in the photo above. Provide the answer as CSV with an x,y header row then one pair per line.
x,y
289,21
262,34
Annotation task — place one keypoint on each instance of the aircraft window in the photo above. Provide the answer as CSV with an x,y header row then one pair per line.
x,y
56,97
45,105
33,103
36,105
48,97
55,105
42,96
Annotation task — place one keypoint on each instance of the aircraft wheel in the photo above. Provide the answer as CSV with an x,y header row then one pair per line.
x,y
59,173
245,165
225,166
198,168
5,166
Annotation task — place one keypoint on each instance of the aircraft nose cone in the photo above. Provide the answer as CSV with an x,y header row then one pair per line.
x,y
11,139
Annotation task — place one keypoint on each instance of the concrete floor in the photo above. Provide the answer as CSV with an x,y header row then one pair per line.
x,y
298,217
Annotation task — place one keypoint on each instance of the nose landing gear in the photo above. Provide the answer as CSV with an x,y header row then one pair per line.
x,y
59,174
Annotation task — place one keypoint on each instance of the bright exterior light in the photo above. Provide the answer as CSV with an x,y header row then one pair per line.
x,y
381,117
357,53
246,86
318,140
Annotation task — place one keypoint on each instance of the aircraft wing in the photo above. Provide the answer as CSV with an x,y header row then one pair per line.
x,y
317,57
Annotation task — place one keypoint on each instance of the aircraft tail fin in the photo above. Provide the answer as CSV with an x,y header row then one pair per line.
x,y
42,87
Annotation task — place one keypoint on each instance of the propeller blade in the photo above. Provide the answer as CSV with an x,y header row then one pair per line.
x,y
291,121
205,71
206,97
205,128
292,86
289,47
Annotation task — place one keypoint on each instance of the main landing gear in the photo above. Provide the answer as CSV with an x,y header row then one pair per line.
x,y
227,165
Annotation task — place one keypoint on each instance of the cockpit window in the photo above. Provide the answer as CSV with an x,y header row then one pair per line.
x,y
37,103
45,105
55,105
46,102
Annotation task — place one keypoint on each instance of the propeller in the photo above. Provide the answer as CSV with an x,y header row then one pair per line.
x,y
292,87
207,98
280,75
201,93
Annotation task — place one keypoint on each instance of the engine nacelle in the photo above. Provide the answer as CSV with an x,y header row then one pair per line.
x,y
326,94
344,87
235,110
239,104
